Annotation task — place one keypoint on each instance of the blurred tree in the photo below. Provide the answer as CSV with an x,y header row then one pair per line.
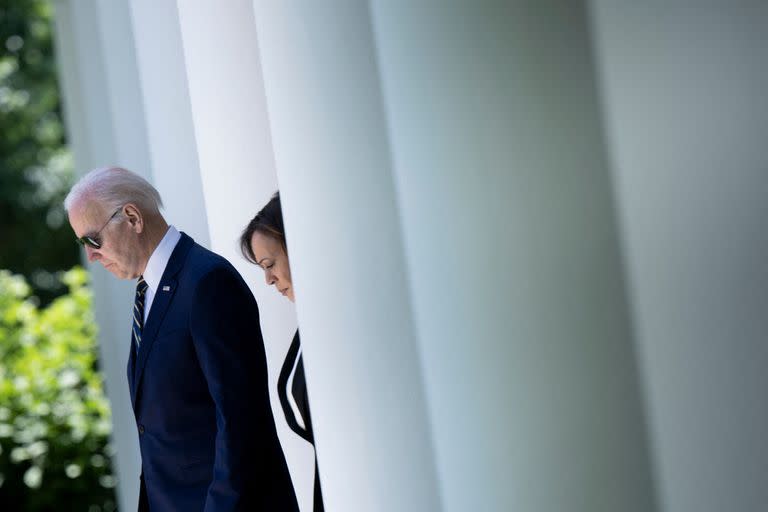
x,y
35,165
54,417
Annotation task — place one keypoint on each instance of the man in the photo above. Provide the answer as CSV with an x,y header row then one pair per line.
x,y
196,369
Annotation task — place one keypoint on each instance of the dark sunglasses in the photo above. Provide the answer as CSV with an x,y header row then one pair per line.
x,y
94,241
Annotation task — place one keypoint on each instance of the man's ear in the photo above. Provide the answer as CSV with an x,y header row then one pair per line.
x,y
134,216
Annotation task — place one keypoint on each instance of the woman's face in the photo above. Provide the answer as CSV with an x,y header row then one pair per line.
x,y
271,257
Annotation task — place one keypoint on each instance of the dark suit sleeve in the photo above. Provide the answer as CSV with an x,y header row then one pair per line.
x,y
143,503
250,472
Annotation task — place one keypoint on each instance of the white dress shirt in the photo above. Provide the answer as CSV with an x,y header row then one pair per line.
x,y
156,266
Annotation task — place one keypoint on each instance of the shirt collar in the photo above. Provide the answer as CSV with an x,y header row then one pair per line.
x,y
159,258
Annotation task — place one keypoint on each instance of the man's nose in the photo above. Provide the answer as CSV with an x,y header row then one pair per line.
x,y
91,253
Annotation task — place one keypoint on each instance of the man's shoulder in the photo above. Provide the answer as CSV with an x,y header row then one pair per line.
x,y
202,262
199,254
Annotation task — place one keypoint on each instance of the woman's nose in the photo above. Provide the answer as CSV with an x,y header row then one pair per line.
x,y
269,277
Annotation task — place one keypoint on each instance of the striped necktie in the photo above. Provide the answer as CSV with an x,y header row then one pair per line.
x,y
138,311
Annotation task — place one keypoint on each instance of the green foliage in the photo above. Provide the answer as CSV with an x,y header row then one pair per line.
x,y
36,168
54,417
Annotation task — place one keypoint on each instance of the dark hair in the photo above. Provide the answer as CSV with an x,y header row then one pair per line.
x,y
269,221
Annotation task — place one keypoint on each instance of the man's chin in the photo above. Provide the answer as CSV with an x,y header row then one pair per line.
x,y
115,271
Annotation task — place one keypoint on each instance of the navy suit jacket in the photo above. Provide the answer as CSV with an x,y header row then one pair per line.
x,y
200,394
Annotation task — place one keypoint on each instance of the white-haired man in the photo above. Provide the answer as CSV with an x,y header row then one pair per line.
x,y
196,367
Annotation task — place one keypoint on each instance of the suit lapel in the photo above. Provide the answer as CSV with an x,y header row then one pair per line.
x,y
163,298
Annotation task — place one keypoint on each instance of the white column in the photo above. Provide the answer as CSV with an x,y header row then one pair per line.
x,y
170,132
514,258
347,261
684,86
231,130
502,228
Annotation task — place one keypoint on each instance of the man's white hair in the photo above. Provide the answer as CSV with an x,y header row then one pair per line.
x,y
114,187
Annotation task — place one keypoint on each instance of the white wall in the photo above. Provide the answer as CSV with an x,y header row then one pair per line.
x,y
684,93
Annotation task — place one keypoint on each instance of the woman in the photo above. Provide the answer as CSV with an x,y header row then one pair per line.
x,y
263,243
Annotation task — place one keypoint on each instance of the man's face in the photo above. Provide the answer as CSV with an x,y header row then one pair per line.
x,y
119,250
